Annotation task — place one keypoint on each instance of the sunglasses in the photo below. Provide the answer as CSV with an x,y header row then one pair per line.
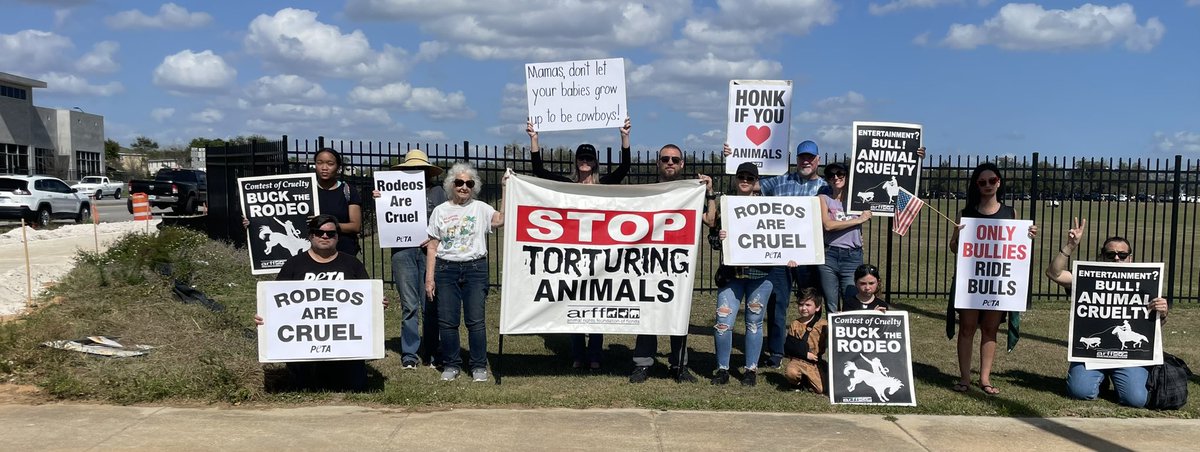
x,y
1121,255
836,174
988,181
469,183
325,234
666,159
747,178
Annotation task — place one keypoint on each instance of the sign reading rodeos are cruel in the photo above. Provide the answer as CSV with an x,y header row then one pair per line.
x,y
320,320
580,260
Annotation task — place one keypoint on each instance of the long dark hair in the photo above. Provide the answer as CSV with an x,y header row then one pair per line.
x,y
973,194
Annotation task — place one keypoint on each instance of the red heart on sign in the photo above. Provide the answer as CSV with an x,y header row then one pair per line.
x,y
757,134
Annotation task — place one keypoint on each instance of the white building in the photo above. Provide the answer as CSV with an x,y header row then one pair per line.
x,y
36,140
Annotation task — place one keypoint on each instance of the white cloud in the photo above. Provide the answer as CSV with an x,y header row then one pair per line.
x,y
208,116
294,112
829,138
430,135
366,117
897,5
162,114
34,51
295,40
430,101
1178,142
392,94
837,109
170,16
73,84
514,105
691,85
190,71
285,88
430,50
100,59
537,30
921,39
738,22
713,138
1030,27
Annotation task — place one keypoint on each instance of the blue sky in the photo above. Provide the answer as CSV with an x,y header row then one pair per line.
x,y
983,77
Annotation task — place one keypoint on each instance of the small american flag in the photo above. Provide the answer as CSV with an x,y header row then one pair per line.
x,y
907,206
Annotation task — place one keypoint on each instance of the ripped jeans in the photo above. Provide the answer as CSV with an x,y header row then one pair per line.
x,y
756,292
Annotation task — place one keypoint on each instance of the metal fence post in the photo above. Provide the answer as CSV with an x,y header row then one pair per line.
x,y
1175,195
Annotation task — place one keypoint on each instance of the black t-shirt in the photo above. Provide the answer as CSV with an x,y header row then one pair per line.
x,y
852,304
302,267
1003,213
613,178
336,201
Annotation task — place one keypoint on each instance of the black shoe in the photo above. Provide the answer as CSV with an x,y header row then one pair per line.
x,y
682,375
750,378
720,377
640,374
770,363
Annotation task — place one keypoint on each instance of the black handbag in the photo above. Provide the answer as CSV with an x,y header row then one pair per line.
x,y
1167,384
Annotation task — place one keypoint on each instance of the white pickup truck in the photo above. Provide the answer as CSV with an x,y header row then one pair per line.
x,y
99,186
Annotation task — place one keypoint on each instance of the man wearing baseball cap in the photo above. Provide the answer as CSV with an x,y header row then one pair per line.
x,y
804,181
408,271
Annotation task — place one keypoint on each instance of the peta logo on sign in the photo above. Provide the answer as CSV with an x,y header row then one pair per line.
x,y
605,227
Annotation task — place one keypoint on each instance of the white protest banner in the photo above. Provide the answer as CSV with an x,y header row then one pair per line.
x,y
760,119
772,230
400,208
870,359
580,260
572,95
993,265
325,320
883,159
1111,323
278,208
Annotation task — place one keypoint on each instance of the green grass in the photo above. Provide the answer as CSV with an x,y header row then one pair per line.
x,y
206,356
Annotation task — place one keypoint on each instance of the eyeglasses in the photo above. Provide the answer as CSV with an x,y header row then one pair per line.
x,y
325,234
835,174
988,181
1119,255
747,178
470,183
668,159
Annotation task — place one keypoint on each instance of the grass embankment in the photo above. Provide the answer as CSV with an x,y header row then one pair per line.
x,y
206,356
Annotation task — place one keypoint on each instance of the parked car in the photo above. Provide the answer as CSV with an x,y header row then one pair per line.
x,y
99,187
40,199
183,190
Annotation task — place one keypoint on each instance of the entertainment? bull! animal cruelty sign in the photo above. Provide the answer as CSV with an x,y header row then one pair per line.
x,y
883,159
870,359
1111,323
278,208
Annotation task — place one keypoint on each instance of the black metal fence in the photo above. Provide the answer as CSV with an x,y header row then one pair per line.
x,y
1150,201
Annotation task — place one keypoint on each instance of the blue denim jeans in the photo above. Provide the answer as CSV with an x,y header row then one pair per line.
x,y
756,292
837,276
1130,383
419,316
461,292
781,283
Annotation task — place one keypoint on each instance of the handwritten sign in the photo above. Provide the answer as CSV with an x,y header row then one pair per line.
x,y
400,209
772,230
760,118
993,265
572,95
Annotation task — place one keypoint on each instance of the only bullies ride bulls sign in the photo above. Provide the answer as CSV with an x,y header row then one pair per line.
x,y
578,260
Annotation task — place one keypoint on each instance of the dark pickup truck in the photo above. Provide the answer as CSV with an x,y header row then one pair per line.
x,y
183,190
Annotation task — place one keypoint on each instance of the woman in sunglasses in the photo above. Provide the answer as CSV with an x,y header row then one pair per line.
x,y
984,193
737,284
843,240
456,271
589,347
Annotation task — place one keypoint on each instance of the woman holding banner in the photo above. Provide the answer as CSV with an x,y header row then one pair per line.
x,y
983,201
843,240
456,270
737,284
586,169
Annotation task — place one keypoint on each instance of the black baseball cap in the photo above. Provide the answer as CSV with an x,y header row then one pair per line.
x,y
747,168
585,152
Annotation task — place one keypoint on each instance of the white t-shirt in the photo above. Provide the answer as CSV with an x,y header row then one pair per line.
x,y
462,229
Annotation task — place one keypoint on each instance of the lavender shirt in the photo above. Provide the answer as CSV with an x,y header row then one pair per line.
x,y
846,238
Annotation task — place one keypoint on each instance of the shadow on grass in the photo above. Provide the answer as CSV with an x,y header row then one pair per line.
x,y
1036,382
1020,411
1026,336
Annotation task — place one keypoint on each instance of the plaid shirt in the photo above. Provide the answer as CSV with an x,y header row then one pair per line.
x,y
790,184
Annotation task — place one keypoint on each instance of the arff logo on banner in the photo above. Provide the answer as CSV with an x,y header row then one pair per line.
x,y
757,134
605,227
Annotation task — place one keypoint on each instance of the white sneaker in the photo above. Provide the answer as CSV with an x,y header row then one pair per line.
x,y
449,374
479,375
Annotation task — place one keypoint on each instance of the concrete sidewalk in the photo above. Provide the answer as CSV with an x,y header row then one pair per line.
x,y
101,427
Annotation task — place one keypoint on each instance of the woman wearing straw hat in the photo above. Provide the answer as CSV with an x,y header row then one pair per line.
x,y
586,170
